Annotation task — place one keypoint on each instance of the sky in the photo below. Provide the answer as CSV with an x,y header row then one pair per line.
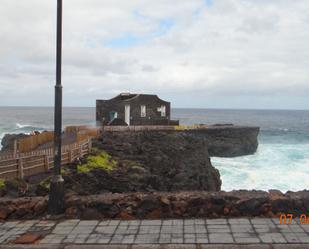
x,y
194,53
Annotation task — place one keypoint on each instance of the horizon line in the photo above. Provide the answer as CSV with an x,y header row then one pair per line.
x,y
196,108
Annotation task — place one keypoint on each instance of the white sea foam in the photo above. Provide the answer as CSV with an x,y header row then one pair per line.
x,y
274,166
1,136
283,129
20,126
24,128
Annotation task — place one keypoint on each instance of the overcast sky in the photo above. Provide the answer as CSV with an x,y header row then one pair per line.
x,y
194,53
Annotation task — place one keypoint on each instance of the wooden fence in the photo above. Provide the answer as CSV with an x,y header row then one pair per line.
x,y
31,163
32,142
82,132
152,128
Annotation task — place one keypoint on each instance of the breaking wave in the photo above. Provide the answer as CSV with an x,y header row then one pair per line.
x,y
274,166
19,128
27,128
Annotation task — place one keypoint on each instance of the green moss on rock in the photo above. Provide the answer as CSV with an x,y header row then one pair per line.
x,y
2,184
95,151
100,161
46,183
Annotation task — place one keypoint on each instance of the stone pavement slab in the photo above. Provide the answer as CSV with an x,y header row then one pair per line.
x,y
148,246
252,233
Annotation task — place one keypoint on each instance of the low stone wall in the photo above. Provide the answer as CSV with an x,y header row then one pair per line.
x,y
165,205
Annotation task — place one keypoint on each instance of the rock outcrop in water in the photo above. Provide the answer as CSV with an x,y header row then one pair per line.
x,y
7,141
229,140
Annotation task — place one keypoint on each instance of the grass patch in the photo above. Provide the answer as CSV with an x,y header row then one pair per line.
x,y
95,151
132,164
2,183
15,184
64,170
100,161
46,183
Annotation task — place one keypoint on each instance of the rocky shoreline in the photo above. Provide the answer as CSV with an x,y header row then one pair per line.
x,y
152,174
146,161
132,162
163,205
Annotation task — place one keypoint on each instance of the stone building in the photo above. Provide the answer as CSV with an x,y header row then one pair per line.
x,y
134,109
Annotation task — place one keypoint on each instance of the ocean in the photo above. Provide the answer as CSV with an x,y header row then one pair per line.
x,y
281,161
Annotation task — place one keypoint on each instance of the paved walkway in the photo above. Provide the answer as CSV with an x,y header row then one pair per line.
x,y
191,232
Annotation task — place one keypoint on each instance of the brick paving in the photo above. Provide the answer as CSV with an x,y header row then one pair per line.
x,y
256,231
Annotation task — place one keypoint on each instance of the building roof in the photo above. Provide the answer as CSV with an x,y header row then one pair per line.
x,y
131,96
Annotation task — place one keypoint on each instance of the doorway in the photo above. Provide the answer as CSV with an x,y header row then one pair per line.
x,y
127,114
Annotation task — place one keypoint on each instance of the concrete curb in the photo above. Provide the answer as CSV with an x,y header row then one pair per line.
x,y
156,246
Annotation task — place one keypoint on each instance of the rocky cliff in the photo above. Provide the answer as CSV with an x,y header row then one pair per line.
x,y
170,160
229,140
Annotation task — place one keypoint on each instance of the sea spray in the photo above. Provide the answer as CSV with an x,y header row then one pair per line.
x,y
274,166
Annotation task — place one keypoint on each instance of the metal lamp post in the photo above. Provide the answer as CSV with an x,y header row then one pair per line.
x,y
56,196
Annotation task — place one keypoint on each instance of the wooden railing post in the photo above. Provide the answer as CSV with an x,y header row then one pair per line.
x,y
80,151
70,155
46,163
15,148
89,145
20,169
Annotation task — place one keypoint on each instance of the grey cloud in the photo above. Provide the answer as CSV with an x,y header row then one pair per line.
x,y
149,68
259,24
236,47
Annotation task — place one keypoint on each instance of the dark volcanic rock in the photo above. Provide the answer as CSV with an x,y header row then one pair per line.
x,y
98,181
229,140
162,205
168,161
8,141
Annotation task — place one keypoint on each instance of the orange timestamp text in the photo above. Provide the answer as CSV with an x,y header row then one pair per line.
x,y
287,219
